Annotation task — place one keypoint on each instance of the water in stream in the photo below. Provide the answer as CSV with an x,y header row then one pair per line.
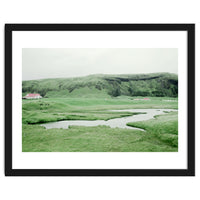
x,y
113,123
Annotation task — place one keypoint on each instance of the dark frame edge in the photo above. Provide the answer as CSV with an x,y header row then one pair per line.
x,y
8,100
191,99
99,172
99,27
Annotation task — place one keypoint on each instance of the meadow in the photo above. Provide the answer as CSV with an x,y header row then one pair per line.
x,y
161,133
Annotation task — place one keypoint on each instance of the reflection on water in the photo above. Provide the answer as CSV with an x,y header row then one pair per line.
x,y
113,123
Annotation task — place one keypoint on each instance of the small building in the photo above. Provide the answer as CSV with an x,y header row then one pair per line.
x,y
32,96
141,99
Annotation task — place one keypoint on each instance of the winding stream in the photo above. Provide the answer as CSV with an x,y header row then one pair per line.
x,y
113,123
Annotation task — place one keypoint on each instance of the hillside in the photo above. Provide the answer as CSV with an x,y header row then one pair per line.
x,y
105,86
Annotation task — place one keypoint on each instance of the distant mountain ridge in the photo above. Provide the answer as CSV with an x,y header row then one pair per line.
x,y
103,85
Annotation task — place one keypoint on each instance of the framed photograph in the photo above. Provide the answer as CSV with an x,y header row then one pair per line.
x,y
99,100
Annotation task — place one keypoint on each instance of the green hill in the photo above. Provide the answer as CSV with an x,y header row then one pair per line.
x,y
105,86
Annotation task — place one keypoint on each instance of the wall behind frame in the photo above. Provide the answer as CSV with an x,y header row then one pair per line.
x,y
89,11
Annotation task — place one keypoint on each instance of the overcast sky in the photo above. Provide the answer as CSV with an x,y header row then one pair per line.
x,y
56,63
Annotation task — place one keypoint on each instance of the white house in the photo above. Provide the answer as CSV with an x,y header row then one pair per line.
x,y
32,96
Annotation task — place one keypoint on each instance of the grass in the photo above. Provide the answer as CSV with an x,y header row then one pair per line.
x,y
105,86
92,139
164,128
56,109
161,133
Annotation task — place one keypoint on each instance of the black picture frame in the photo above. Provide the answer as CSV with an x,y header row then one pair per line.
x,y
189,28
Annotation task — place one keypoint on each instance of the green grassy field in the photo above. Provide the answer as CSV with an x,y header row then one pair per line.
x,y
161,133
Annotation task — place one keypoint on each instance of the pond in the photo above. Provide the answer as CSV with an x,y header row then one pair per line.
x,y
113,123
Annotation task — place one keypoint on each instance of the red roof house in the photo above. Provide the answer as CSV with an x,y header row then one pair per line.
x,y
32,96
